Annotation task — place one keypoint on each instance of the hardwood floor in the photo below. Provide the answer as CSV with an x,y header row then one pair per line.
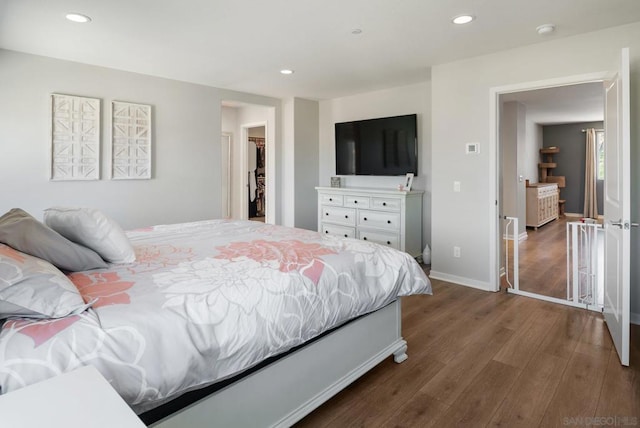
x,y
543,259
481,359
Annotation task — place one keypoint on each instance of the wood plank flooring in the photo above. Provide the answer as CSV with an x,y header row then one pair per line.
x,y
543,259
481,359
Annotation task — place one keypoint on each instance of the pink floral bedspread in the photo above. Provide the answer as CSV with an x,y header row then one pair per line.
x,y
205,301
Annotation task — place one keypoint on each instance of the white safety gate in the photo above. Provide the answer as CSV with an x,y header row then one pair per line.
x,y
584,264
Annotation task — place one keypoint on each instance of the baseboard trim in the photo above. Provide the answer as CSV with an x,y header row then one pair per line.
x,y
523,236
634,318
460,280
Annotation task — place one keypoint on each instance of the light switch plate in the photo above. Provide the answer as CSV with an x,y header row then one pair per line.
x,y
473,148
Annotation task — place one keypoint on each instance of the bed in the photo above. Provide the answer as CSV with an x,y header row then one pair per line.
x,y
273,320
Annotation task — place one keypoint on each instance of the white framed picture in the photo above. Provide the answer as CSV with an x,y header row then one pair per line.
x,y
408,181
131,141
75,138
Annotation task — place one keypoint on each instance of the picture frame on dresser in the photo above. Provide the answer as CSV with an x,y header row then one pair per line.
x,y
408,182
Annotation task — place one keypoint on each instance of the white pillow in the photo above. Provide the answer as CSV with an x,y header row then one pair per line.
x,y
93,229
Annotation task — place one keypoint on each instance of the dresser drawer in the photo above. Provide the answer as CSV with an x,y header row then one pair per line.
x,y
545,191
387,204
388,239
329,199
379,219
346,216
356,201
341,231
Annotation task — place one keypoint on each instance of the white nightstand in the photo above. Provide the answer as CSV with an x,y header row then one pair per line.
x,y
82,398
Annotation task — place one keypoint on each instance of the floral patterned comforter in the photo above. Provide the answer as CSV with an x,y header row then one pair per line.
x,y
205,301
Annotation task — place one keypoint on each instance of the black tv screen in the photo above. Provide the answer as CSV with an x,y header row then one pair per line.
x,y
384,146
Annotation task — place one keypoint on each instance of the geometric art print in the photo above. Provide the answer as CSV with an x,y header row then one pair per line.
x,y
75,138
131,141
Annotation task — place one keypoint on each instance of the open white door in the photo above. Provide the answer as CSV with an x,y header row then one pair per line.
x,y
617,203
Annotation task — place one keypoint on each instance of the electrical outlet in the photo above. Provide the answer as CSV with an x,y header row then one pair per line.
x,y
456,186
456,252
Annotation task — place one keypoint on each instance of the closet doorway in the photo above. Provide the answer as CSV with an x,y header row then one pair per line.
x,y
249,188
256,172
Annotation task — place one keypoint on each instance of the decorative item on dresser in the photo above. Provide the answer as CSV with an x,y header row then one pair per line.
x,y
542,203
388,217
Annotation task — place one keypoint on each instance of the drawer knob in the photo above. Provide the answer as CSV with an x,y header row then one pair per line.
x,y
355,202
388,242
326,213
345,235
346,216
365,219
365,238
384,204
388,221
330,199
326,231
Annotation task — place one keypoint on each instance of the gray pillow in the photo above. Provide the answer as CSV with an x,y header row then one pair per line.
x,y
22,232
33,288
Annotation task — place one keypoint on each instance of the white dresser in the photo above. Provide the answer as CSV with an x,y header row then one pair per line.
x,y
542,203
387,217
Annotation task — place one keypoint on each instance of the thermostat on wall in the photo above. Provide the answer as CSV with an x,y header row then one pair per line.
x,y
473,148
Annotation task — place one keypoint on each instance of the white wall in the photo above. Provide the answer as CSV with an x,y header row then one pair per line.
x,y
288,156
509,140
461,113
531,155
306,163
186,146
389,102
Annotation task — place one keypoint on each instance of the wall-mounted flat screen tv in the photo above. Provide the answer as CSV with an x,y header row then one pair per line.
x,y
384,146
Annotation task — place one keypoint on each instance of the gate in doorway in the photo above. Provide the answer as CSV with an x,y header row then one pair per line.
x,y
584,265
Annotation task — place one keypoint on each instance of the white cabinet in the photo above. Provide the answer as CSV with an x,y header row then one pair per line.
x,y
542,203
386,217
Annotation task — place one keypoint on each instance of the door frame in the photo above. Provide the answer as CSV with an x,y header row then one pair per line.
x,y
495,169
244,159
226,193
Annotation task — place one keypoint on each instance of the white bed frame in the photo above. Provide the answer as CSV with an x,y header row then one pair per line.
x,y
285,391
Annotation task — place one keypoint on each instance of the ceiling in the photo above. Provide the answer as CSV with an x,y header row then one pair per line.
x,y
563,104
242,44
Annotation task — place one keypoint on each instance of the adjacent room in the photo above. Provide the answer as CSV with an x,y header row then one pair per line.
x,y
319,214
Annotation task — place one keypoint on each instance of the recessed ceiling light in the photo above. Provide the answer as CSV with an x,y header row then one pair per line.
x,y
286,71
78,17
463,19
356,31
546,29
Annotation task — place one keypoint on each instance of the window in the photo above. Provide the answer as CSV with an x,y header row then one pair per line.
x,y
600,154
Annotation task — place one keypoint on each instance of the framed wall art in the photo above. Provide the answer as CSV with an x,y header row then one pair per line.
x,y
75,138
131,141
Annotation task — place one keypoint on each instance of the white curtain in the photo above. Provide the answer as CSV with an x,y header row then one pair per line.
x,y
590,176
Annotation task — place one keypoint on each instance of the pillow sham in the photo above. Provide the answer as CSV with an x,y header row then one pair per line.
x,y
91,228
31,287
24,233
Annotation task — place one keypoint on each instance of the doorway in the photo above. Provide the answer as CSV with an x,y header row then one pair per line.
x,y
544,152
543,163
617,222
241,122
256,172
